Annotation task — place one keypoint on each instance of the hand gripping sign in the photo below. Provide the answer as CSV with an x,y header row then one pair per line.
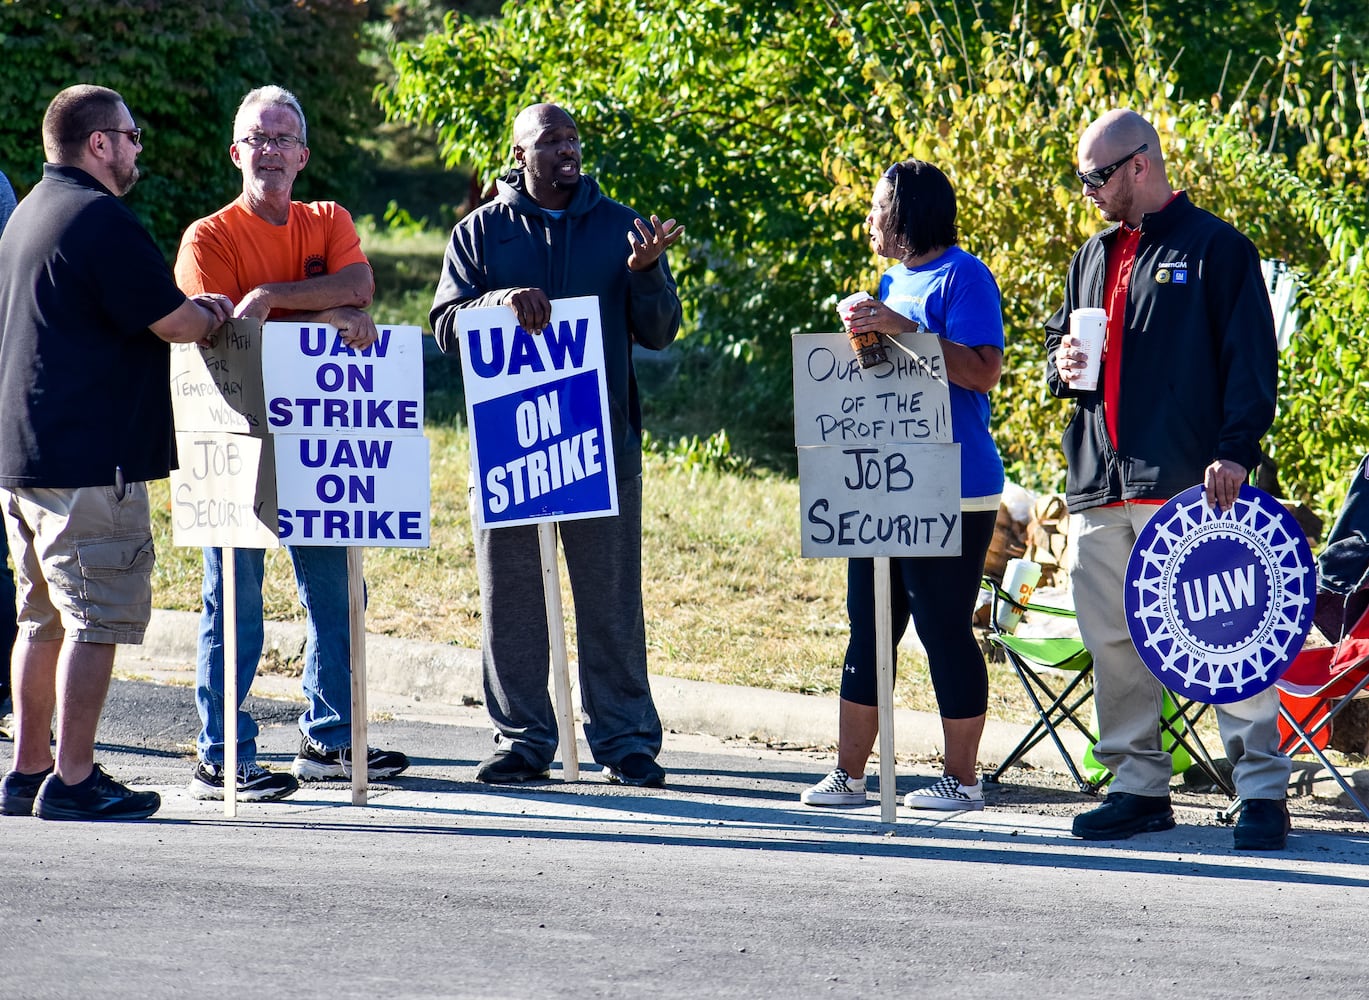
x,y
541,444
1218,604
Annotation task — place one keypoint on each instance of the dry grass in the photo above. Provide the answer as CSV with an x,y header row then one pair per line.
x,y
727,596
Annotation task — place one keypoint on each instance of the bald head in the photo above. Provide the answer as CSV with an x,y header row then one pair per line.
x,y
535,118
1117,133
546,148
1136,182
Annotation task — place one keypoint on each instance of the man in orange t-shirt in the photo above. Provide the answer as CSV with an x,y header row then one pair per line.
x,y
279,258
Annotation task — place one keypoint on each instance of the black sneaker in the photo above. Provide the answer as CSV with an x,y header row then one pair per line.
x,y
636,769
1123,814
314,763
255,783
98,797
509,768
1263,826
17,792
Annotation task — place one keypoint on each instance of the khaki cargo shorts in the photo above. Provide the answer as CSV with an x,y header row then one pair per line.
x,y
83,562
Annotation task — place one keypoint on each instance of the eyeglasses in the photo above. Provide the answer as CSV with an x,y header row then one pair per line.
x,y
1097,177
136,134
282,142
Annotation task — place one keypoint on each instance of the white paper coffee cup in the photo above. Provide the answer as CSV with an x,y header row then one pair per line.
x,y
1020,577
847,304
1089,327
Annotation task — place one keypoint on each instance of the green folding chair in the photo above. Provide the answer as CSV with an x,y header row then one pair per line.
x,y
1039,661
1030,657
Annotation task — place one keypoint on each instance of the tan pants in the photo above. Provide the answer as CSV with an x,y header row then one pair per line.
x,y
1127,695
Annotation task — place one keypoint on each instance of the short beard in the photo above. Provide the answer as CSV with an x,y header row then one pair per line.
x,y
564,185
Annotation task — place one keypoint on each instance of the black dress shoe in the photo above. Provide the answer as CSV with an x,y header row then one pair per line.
x,y
509,768
1263,826
1123,814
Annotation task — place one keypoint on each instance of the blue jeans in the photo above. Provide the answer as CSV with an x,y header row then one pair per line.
x,y
321,574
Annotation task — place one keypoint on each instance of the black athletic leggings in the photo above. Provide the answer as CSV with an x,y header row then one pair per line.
x,y
940,595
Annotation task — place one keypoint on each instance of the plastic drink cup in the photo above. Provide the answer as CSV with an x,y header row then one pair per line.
x,y
1020,577
1089,327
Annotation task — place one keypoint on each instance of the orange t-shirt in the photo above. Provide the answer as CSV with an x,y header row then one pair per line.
x,y
233,251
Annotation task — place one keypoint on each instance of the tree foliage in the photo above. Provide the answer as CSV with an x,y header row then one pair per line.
x,y
182,68
764,128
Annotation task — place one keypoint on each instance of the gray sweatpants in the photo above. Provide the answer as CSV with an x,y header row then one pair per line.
x,y
604,562
1127,695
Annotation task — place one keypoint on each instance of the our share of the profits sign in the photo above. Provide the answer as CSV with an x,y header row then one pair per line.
x,y
878,472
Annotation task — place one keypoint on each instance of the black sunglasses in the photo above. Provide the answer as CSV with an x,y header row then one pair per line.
x,y
136,134
1097,177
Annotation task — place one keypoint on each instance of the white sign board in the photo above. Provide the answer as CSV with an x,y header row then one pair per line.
x,y
878,472
351,458
219,388
316,384
347,490
537,404
224,492
836,402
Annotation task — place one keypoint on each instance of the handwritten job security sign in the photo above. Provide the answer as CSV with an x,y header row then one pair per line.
x,y
224,491
537,403
878,472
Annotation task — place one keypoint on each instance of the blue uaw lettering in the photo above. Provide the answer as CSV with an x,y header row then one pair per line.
x,y
855,527
354,489
1226,591
537,473
392,525
893,474
314,342
344,453
401,414
353,378
557,347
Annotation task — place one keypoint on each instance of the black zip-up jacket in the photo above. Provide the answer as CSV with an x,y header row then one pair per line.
x,y
1199,360
512,243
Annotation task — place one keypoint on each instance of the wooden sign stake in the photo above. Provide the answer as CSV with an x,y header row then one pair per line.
x,y
560,668
884,676
356,613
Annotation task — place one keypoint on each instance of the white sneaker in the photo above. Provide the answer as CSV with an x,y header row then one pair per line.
x,y
948,795
837,789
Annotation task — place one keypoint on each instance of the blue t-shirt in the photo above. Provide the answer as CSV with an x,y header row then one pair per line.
x,y
956,297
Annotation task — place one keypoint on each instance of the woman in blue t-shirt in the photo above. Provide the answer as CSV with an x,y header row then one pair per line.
x,y
940,288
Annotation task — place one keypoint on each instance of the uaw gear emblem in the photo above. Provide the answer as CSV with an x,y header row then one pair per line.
x,y
1162,276
1219,604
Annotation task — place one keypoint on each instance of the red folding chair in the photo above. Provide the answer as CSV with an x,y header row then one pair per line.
x,y
1317,685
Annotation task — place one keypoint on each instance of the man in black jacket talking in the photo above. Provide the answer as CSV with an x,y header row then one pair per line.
x,y
1185,393
549,234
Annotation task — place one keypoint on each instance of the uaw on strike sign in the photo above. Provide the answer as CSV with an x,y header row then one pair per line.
x,y
286,433
537,402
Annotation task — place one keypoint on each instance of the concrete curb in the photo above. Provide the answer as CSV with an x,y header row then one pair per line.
x,y
432,672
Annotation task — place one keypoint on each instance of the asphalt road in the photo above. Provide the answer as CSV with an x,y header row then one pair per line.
x,y
719,886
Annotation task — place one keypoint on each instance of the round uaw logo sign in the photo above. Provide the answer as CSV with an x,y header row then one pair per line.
x,y
1219,604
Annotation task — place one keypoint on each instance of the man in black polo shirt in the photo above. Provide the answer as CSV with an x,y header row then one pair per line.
x,y
88,307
